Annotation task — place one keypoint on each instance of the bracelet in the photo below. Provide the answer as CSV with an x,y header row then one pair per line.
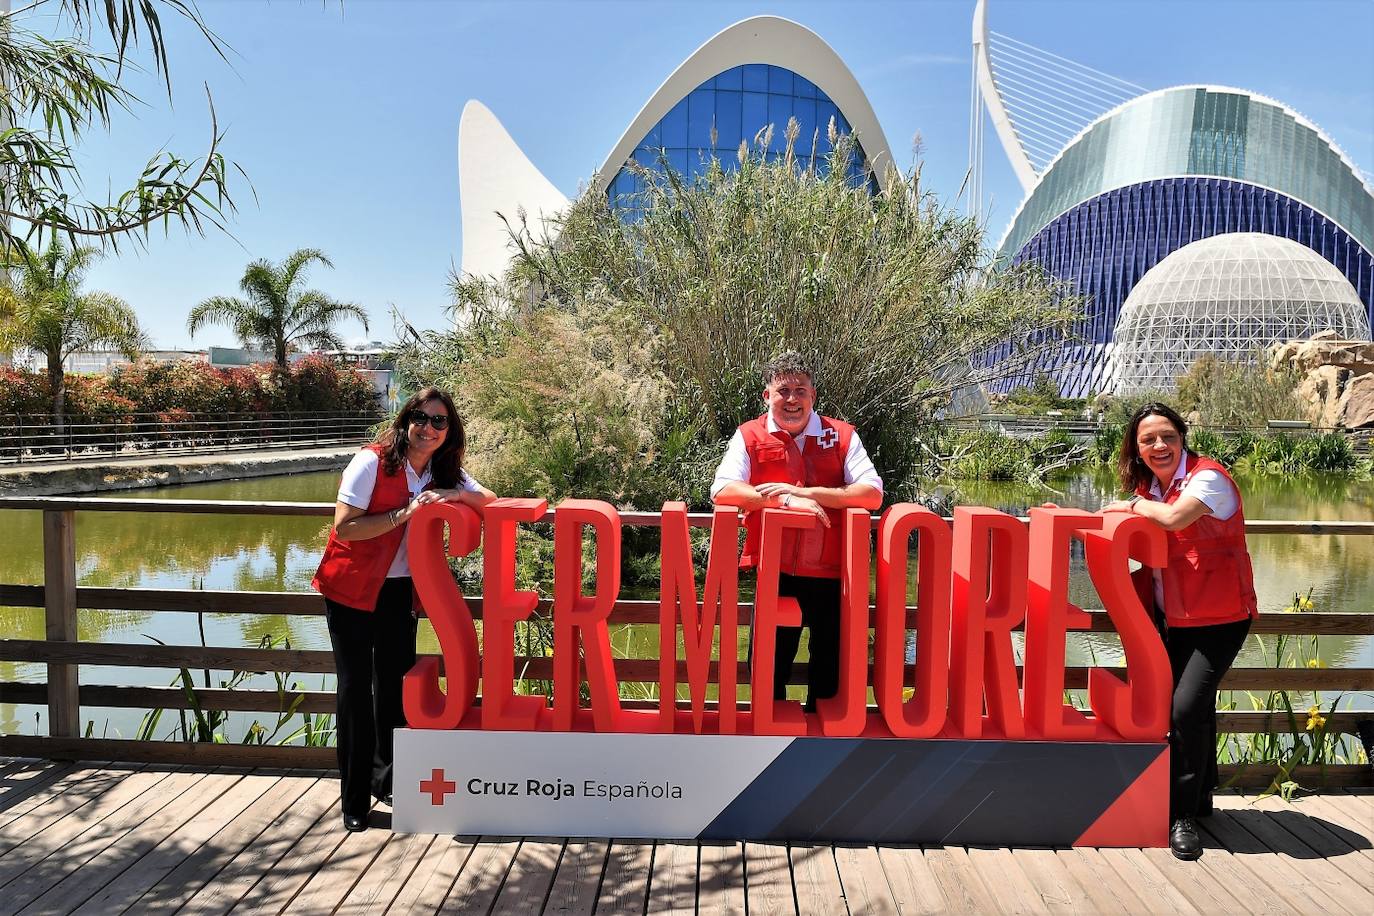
x,y
391,517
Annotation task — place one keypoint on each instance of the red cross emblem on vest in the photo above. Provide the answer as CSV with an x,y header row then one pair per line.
x,y
828,438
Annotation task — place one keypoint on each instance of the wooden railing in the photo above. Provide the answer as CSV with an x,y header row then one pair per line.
x,y
28,439
63,652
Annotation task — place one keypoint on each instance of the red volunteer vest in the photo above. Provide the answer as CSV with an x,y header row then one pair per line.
x,y
1209,579
351,573
775,458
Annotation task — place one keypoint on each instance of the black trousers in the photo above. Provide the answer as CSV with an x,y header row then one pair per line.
x,y
372,652
820,609
1199,657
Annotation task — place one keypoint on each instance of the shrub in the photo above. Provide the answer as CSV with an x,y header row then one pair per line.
x,y
192,386
187,388
1326,452
990,455
25,393
1037,398
1237,394
316,384
892,297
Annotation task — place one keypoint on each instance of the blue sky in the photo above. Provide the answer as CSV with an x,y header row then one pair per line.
x,y
345,117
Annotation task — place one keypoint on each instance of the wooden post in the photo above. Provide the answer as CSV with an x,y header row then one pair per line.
x,y
59,601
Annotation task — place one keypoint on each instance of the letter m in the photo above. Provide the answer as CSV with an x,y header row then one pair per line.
x,y
678,600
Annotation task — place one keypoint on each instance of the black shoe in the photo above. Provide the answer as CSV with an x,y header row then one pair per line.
x,y
387,801
354,824
1184,841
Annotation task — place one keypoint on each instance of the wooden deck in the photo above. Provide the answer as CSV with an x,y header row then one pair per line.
x,y
145,839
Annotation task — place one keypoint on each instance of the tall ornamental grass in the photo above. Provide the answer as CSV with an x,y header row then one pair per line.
x,y
893,297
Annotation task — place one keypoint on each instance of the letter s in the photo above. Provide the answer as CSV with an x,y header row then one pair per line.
x,y
1138,709
426,706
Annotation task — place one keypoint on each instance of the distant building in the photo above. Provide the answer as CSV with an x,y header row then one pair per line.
x,y
757,73
1124,184
371,355
232,357
1169,169
103,362
1228,296
374,361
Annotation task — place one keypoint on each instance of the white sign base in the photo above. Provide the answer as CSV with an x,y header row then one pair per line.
x,y
571,783
732,787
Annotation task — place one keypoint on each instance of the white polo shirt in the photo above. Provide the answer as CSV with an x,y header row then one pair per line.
x,y
360,479
1210,488
735,466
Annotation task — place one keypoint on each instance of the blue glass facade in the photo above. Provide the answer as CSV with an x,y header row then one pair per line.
x,y
1103,247
736,105
1200,131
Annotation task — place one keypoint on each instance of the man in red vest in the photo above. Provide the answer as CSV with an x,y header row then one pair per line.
x,y
794,458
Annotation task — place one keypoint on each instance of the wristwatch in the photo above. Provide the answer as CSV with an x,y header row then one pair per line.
x,y
786,500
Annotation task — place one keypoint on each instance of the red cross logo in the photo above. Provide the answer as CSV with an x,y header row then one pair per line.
x,y
437,787
828,438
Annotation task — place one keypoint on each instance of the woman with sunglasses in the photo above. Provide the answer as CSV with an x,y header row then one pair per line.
x,y
365,580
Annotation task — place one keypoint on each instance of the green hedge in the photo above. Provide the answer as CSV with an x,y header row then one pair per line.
x,y
312,384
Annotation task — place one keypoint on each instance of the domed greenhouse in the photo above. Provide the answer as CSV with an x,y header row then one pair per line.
x,y
1228,295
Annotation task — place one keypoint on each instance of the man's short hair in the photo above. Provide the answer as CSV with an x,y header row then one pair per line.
x,y
789,362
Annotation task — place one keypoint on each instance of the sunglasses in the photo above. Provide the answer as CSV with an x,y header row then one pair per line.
x,y
420,418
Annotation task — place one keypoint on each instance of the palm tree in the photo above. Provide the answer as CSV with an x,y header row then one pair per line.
x,y
43,309
276,312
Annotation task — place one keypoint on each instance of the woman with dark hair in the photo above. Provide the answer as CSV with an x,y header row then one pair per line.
x,y
1204,597
365,580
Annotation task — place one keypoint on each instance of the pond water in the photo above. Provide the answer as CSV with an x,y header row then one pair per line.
x,y
280,554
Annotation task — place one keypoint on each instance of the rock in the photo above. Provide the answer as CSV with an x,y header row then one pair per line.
x,y
1359,402
1337,378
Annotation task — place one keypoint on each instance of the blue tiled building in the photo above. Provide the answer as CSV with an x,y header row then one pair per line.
x,y
1170,168
735,107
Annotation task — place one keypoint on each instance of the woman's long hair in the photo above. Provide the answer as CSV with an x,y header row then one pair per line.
x,y
1130,469
446,467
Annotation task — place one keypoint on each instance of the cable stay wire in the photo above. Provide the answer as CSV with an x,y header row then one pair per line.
x,y
1049,108
1060,134
1043,97
1056,137
1048,75
1104,76
1033,69
1093,97
1045,148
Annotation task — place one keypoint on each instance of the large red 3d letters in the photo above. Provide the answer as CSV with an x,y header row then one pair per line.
x,y
975,583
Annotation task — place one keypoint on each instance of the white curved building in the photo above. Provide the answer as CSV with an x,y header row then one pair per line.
x,y
759,72
1166,170
496,181
756,73
1229,296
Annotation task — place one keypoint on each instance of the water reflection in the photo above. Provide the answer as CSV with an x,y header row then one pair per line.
x,y
164,550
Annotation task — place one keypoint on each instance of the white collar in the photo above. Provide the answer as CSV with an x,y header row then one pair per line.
x,y
813,425
1179,473
416,479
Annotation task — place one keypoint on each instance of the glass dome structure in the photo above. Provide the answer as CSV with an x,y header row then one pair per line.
x,y
1228,295
1168,169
